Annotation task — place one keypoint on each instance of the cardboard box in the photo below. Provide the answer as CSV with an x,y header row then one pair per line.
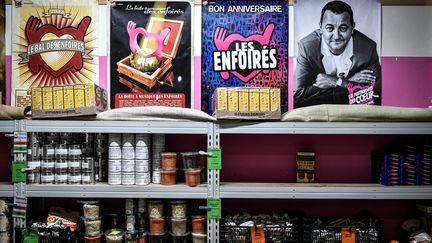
x,y
136,79
246,103
68,101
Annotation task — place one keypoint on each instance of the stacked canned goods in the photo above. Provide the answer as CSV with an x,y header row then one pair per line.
x,y
63,158
158,146
129,159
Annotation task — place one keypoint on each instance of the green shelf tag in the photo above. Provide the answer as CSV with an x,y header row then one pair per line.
x,y
215,208
17,171
214,160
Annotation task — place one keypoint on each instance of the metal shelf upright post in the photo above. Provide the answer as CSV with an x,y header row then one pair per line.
x,y
213,139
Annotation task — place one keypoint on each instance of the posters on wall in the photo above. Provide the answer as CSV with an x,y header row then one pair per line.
x,y
337,46
150,53
244,44
2,54
54,43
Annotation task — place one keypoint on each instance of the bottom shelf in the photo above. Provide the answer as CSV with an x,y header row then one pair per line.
x,y
103,190
323,191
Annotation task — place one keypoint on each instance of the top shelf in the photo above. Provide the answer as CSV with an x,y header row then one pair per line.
x,y
101,126
6,126
417,128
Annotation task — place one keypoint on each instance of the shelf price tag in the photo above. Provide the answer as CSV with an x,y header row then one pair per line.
x,y
18,174
214,160
214,208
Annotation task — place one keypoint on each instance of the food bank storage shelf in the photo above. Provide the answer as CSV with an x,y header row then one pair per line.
x,y
323,191
102,126
7,126
120,191
422,128
6,189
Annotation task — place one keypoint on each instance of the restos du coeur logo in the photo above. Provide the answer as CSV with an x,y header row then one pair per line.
x,y
244,57
56,50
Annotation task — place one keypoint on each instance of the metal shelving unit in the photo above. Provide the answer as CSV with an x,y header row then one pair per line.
x,y
362,128
7,126
6,189
323,191
103,190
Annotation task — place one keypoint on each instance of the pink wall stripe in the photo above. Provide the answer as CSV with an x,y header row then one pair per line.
x,y
103,71
197,83
8,67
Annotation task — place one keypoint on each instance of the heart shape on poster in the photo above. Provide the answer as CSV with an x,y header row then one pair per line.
x,y
56,59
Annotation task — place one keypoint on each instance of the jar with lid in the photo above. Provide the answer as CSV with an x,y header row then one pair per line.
x,y
178,209
155,209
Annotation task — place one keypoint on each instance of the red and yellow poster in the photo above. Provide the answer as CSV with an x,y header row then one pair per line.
x,y
53,44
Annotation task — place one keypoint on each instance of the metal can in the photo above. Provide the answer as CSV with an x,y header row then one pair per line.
x,y
48,151
141,205
48,163
128,166
142,179
114,152
74,163
61,176
87,163
127,178
74,176
75,151
142,166
115,166
156,152
61,164
128,153
156,164
156,176
114,178
34,176
36,151
141,152
47,176
35,164
158,140
114,139
87,177
61,151
129,206
142,140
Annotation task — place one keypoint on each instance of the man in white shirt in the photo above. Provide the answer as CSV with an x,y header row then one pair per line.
x,y
333,57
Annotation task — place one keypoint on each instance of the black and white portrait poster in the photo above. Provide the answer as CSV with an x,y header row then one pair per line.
x,y
337,50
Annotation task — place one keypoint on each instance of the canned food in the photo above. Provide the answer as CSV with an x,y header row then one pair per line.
x,y
142,166
128,166
61,164
142,179
61,151
87,163
155,209
127,178
114,178
47,163
157,164
34,164
61,176
128,153
141,152
74,177
156,176
115,166
75,150
34,177
48,151
87,177
36,151
114,152
129,206
178,209
142,140
74,163
156,151
128,140
158,140
47,176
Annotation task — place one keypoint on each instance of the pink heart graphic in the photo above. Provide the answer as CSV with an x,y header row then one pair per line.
x,y
134,32
223,43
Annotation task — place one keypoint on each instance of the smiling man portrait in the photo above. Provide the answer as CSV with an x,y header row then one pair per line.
x,y
334,60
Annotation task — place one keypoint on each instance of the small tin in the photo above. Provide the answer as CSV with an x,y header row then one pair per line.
x,y
128,166
74,177
114,152
127,178
35,164
61,151
48,151
48,163
142,179
87,177
87,163
141,153
75,150
114,166
128,140
142,140
142,166
61,164
61,176
47,176
114,178
74,163
114,139
128,153
156,176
